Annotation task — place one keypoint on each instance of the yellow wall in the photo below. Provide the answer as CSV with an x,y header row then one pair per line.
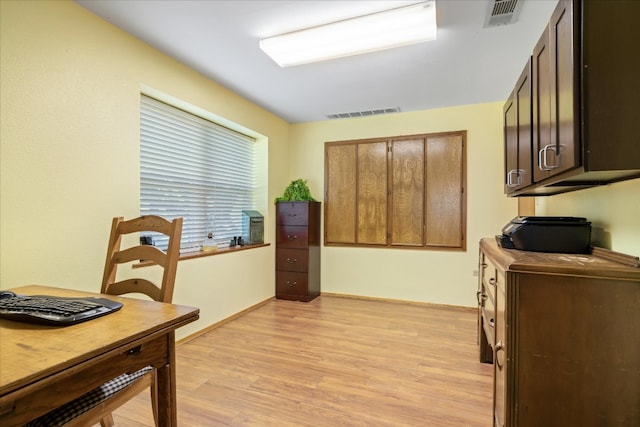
x,y
70,93
614,212
69,134
446,277
420,275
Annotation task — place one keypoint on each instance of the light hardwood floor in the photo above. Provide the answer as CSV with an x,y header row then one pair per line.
x,y
331,362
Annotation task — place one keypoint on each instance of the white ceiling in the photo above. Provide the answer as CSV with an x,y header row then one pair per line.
x,y
467,64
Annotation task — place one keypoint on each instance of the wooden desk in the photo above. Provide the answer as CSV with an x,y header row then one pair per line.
x,y
43,367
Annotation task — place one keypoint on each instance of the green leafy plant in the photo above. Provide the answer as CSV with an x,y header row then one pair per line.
x,y
297,191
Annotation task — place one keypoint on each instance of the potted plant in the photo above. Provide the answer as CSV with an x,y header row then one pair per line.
x,y
296,191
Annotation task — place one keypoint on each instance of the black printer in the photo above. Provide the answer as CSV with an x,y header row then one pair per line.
x,y
570,235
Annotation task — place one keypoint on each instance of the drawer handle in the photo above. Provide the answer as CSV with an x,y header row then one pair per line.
x,y
135,350
291,284
481,297
292,214
290,237
292,260
499,348
492,281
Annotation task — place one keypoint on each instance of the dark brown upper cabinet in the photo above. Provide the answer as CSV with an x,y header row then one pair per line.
x,y
585,125
517,134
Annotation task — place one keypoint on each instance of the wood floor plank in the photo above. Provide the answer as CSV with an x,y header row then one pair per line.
x,y
331,362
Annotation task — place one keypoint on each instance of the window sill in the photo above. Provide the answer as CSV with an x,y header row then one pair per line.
x,y
201,254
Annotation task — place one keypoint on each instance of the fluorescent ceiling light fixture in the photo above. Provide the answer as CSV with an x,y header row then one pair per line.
x,y
383,30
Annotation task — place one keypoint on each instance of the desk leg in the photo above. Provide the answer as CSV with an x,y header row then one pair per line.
x,y
167,408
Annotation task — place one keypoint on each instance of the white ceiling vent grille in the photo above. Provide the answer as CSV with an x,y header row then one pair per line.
x,y
364,113
502,12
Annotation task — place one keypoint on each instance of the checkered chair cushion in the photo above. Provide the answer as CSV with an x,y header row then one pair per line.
x,y
69,411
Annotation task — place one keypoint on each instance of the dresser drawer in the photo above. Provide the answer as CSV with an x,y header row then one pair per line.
x,y
292,260
489,324
490,291
489,273
292,213
292,236
291,283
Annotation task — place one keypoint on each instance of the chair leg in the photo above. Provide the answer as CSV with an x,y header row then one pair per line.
x,y
154,398
107,421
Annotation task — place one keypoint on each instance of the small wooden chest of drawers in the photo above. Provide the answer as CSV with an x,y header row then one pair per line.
x,y
562,331
297,250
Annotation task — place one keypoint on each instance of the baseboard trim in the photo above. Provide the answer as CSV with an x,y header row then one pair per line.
x,y
401,301
329,295
223,321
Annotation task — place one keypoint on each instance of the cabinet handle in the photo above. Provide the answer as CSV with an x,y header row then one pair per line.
x,y
493,281
290,237
499,348
292,260
518,174
291,284
542,157
492,322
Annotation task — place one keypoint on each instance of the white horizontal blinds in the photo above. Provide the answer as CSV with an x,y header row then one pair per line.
x,y
196,169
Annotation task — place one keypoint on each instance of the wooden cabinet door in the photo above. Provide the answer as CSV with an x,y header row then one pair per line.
x,y
523,98
578,350
542,98
372,193
565,94
518,134
509,119
340,193
555,100
407,192
356,196
444,199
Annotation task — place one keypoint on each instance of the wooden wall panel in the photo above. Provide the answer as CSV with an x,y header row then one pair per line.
x,y
372,193
340,193
407,192
444,210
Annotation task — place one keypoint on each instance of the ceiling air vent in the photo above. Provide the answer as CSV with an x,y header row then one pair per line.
x,y
502,12
364,113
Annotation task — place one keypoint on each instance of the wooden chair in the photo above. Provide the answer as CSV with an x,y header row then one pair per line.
x,y
97,405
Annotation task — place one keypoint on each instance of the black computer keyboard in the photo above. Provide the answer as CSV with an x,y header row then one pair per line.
x,y
52,310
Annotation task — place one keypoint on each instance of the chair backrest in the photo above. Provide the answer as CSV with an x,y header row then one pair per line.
x,y
167,260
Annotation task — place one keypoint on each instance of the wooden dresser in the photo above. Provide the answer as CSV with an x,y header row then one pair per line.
x,y
563,332
297,250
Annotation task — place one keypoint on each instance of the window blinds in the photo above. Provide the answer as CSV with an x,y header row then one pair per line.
x,y
196,169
